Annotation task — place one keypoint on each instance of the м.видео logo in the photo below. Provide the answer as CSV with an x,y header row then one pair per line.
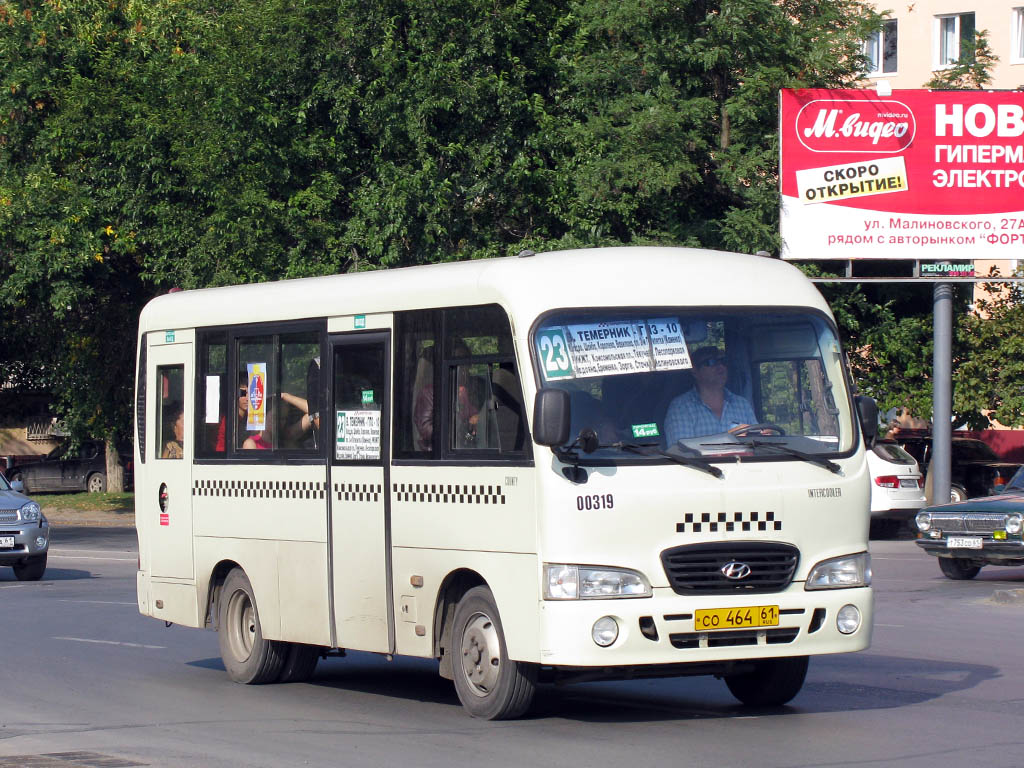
x,y
839,125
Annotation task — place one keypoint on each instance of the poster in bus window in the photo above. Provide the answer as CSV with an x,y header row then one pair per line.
x,y
357,435
256,414
612,348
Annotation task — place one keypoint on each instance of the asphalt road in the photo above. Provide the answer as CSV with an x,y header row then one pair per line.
x,y
86,681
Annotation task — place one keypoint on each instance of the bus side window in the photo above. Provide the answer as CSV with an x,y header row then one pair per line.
x,y
415,378
212,395
170,411
485,397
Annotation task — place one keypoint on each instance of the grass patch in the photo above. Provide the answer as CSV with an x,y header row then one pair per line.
x,y
86,502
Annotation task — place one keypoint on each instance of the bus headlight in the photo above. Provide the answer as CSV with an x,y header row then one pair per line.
x,y
923,520
841,573
588,582
1013,524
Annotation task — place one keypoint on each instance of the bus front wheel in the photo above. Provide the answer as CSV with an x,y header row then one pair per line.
x,y
248,657
771,683
489,684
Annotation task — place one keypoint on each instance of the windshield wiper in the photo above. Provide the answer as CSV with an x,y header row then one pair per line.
x,y
831,466
686,461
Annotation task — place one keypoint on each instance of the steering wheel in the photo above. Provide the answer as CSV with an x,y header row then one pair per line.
x,y
761,428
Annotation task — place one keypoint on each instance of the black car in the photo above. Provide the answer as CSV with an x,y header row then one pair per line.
x,y
975,469
83,469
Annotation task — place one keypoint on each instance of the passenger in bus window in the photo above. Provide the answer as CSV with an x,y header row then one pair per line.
x,y
175,448
709,408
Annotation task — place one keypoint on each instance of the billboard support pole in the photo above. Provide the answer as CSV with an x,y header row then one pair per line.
x,y
942,392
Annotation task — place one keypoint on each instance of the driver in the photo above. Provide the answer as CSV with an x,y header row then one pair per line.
x,y
708,408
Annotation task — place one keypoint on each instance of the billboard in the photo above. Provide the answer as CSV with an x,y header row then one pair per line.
x,y
915,174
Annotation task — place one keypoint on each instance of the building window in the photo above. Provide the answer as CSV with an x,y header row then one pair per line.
x,y
954,39
880,50
1017,37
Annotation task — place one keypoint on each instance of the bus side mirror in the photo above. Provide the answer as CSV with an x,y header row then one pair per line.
x,y
551,417
867,411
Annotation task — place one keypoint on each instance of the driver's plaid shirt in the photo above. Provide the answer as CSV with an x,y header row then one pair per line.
x,y
687,416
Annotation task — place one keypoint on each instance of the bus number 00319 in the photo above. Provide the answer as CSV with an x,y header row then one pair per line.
x,y
595,501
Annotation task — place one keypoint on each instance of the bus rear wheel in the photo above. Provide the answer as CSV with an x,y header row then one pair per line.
x,y
299,663
248,657
771,683
489,684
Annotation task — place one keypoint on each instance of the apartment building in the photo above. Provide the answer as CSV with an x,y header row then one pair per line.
x,y
923,36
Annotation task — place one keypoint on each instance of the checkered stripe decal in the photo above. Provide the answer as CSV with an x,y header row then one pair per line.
x,y
729,521
259,489
358,491
449,494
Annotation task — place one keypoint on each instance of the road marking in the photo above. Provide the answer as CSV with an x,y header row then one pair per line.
x,y
893,626
95,602
112,642
101,559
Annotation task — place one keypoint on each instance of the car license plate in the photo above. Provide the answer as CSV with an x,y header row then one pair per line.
x,y
737,618
908,482
6,542
963,542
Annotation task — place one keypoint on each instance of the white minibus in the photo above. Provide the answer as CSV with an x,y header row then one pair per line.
x,y
568,466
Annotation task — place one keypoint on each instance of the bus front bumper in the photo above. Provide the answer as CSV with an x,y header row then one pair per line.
x,y
663,629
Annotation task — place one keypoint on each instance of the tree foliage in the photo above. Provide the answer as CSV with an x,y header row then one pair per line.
x,y
146,144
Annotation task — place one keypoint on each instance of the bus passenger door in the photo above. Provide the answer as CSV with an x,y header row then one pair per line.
x,y
360,532
164,501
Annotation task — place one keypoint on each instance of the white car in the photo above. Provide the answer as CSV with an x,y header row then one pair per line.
x,y
897,487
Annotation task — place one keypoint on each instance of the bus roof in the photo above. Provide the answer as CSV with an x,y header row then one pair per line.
x,y
525,285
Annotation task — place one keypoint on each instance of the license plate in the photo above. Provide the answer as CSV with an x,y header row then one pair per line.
x,y
908,483
963,542
6,542
737,618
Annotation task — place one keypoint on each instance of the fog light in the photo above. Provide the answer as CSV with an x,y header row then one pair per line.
x,y
999,535
848,619
935,533
40,542
605,631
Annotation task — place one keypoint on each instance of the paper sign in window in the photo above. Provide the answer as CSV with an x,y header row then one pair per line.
x,y
212,400
357,435
612,348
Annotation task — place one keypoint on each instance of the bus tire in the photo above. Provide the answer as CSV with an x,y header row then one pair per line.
x,y
299,663
248,657
489,684
958,568
771,683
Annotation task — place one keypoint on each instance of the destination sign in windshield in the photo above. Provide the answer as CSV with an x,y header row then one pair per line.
x,y
612,348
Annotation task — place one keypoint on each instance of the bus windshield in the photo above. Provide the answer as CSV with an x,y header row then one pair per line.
x,y
711,382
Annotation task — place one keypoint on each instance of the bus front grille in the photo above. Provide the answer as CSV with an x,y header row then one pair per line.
x,y
701,569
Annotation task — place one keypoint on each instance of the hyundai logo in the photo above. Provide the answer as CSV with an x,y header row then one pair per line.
x,y
735,571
